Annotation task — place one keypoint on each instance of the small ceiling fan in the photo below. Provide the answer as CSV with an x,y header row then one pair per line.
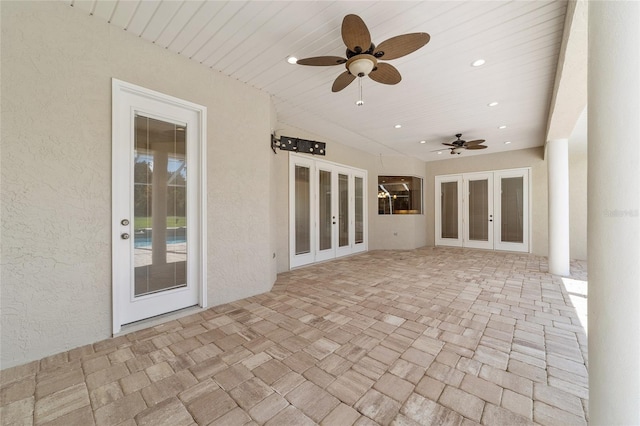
x,y
363,56
460,145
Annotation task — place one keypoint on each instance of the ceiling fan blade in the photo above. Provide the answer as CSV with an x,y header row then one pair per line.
x,y
475,142
476,147
322,61
355,34
342,81
401,45
449,144
385,74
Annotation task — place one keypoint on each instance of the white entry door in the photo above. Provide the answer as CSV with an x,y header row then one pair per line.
x,y
488,210
328,210
478,210
511,201
449,211
158,204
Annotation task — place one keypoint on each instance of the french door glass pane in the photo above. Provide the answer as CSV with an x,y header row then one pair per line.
x,y
449,209
359,219
160,206
343,206
324,195
303,211
479,210
512,210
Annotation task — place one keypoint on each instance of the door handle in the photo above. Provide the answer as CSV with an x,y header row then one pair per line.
x,y
124,236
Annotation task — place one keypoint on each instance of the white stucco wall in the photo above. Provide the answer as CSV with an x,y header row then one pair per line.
x,y
57,65
503,160
578,189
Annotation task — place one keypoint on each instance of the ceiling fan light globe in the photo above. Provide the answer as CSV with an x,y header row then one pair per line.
x,y
361,65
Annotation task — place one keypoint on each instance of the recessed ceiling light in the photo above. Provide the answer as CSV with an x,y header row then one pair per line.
x,y
492,104
423,141
477,63
439,152
292,60
507,142
502,127
397,126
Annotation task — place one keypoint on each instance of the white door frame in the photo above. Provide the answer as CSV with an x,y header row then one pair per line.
x,y
127,100
495,177
315,255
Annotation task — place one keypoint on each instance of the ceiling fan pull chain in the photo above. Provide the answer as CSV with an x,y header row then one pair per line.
x,y
360,102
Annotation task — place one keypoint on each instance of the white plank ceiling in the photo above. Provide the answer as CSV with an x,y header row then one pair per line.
x,y
440,94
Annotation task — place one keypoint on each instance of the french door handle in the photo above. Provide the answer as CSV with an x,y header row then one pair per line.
x,y
124,236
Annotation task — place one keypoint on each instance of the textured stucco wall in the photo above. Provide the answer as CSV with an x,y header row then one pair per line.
x,y
57,65
504,160
578,189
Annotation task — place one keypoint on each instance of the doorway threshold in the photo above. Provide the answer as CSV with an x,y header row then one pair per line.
x,y
158,320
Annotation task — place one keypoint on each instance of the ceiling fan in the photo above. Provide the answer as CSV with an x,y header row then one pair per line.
x,y
363,56
460,145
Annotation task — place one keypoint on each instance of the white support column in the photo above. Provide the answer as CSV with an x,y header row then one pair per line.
x,y
558,181
614,216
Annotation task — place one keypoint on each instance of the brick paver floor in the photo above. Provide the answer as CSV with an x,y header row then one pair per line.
x,y
430,336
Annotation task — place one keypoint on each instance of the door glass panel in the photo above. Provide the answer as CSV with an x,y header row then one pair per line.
x,y
449,209
512,206
343,214
359,210
324,196
479,210
303,211
160,206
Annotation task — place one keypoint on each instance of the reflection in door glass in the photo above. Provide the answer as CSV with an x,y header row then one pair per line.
x,y
302,210
359,219
449,209
160,206
343,205
479,210
324,198
512,214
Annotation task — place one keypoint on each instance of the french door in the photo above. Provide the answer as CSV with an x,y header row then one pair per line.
x,y
158,204
328,210
512,210
487,210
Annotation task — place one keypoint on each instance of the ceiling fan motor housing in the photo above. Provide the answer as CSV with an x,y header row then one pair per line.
x,y
369,51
